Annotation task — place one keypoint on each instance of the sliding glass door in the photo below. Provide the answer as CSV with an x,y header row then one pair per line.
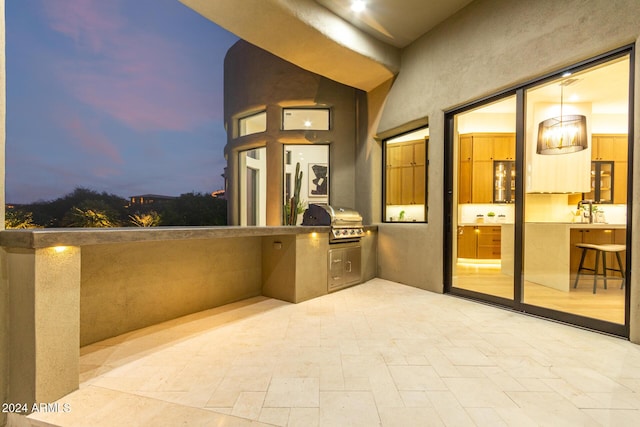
x,y
538,186
484,181
576,145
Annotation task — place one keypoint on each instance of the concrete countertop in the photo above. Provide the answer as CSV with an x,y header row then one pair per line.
x,y
42,238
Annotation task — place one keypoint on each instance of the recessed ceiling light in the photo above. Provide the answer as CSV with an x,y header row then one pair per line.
x,y
307,123
358,6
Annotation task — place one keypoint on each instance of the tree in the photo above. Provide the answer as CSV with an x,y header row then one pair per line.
x,y
91,213
18,219
150,219
192,209
52,213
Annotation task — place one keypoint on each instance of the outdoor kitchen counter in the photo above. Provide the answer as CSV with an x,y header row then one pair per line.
x,y
73,287
42,238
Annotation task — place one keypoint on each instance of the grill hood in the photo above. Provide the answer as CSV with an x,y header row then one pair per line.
x,y
333,216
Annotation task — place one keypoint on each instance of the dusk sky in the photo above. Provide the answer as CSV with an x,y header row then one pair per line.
x,y
122,96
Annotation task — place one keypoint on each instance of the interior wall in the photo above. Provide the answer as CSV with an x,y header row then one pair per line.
x,y
307,155
487,47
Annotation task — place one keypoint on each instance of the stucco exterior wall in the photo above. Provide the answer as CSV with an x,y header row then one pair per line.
x,y
133,285
4,329
256,80
489,46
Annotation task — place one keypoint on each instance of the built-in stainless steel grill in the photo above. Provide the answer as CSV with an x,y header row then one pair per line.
x,y
346,224
346,227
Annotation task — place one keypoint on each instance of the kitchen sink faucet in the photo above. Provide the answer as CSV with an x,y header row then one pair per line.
x,y
590,203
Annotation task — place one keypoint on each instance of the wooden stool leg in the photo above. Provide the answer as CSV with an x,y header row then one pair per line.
x,y
604,268
595,271
621,270
584,252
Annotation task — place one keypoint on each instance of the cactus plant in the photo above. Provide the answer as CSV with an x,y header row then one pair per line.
x,y
292,207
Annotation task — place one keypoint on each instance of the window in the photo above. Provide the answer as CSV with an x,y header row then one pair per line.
x,y
254,123
305,119
253,186
313,162
406,177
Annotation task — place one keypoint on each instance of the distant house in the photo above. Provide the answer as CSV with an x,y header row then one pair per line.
x,y
218,194
149,199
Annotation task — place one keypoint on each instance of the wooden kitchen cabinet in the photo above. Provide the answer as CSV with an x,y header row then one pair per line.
x,y
477,152
482,182
620,183
464,169
467,242
489,242
609,147
504,147
482,147
613,147
406,173
479,242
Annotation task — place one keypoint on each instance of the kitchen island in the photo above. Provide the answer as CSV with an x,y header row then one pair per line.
x,y
547,251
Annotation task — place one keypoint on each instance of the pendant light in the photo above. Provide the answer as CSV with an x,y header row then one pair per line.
x,y
564,134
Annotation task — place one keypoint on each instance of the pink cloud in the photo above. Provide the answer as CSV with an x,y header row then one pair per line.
x,y
85,21
92,140
140,79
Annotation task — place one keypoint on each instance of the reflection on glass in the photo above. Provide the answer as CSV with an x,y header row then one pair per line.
x,y
572,217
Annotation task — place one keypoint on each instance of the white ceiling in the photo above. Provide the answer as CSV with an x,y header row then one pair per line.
x,y
396,22
604,87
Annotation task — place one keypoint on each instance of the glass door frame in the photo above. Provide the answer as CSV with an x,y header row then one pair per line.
x,y
518,304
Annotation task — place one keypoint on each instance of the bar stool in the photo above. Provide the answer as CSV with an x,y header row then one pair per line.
x,y
600,250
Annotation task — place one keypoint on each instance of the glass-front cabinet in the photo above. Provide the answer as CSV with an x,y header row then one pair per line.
x,y
504,181
601,182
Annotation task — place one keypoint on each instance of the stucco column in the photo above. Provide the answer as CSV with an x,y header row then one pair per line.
x,y
44,322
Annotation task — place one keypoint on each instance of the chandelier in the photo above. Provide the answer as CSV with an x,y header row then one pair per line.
x,y
563,134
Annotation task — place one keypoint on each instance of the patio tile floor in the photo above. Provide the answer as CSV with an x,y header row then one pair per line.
x,y
380,353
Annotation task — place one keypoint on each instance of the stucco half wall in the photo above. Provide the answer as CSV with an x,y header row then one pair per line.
x,y
489,46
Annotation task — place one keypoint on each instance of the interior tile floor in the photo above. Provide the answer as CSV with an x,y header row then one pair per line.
x,y
606,304
380,353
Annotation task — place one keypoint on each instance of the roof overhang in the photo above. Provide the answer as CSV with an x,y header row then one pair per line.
x,y
308,35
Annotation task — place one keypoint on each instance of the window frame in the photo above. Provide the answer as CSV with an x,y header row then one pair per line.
x,y
240,119
426,176
286,109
